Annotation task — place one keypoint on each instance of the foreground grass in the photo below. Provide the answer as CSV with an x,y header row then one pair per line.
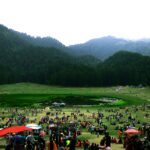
x,y
139,115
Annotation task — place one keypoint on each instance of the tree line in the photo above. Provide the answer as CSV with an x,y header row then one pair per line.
x,y
40,66
21,61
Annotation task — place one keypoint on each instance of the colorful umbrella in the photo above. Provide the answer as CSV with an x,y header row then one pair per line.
x,y
132,131
34,126
14,129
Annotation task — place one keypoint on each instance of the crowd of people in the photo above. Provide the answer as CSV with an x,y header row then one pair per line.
x,y
33,141
63,131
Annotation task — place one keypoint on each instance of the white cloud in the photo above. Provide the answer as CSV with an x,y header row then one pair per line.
x,y
75,21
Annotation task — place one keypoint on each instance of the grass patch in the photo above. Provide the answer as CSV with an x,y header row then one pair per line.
x,y
27,94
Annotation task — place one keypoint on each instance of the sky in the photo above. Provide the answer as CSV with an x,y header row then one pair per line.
x,y
77,21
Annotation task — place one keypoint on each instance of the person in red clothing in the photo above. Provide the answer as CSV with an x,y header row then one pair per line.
x,y
113,140
79,144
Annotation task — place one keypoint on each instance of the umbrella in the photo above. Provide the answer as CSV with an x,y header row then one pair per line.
x,y
34,126
14,129
130,127
52,125
132,131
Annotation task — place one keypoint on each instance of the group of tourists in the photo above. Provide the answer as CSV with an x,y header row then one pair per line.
x,y
22,141
30,141
62,130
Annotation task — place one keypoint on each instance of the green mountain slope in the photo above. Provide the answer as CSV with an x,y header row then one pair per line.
x,y
23,61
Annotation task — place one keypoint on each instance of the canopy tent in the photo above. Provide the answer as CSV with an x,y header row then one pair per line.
x,y
34,126
132,131
14,129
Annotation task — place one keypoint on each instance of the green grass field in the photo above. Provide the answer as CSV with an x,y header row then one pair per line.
x,y
27,94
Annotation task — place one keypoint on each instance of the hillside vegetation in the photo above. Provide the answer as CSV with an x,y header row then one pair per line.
x,y
47,61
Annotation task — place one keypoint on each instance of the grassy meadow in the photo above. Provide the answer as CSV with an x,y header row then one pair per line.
x,y
40,96
27,94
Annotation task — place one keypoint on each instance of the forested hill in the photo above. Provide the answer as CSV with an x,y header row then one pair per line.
x,y
126,68
10,40
25,61
43,42
105,47
37,41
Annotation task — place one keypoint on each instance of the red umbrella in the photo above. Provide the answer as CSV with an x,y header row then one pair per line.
x,y
132,131
14,129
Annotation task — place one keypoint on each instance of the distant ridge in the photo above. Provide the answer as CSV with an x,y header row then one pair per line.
x,y
101,48
104,47
37,41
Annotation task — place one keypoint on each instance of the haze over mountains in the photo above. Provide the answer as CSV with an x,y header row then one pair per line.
x,y
104,47
101,48
24,58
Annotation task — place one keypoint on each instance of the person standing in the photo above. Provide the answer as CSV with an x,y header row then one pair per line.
x,y
107,140
86,145
41,142
52,145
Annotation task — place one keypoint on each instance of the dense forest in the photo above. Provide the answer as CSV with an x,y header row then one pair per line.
x,y
45,60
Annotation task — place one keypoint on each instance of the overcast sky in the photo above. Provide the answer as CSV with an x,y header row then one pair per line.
x,y
76,21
